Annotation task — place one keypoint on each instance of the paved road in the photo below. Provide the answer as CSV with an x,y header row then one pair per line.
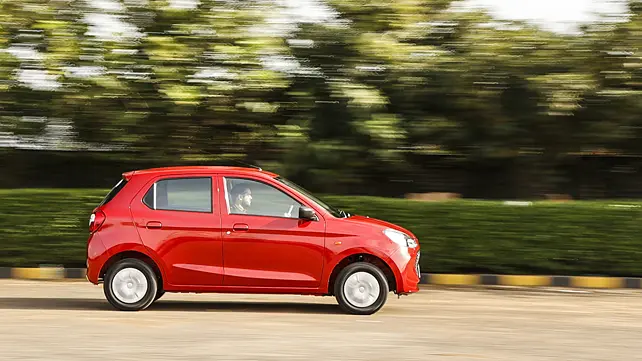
x,y
71,321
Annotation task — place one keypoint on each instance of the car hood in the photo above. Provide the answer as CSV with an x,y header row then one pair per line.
x,y
365,220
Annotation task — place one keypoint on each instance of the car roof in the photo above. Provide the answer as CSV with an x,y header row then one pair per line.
x,y
199,169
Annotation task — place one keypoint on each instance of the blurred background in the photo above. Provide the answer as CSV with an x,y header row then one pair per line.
x,y
433,99
483,98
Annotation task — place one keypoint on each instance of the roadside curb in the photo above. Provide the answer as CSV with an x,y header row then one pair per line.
x,y
589,282
42,273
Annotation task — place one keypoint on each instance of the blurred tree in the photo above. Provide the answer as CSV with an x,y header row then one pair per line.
x,y
341,103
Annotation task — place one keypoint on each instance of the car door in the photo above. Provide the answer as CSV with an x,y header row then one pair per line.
x,y
265,244
177,217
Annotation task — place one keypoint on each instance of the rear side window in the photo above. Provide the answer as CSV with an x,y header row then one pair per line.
x,y
114,191
184,194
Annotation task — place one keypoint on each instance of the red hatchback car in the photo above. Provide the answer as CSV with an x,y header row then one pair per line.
x,y
241,230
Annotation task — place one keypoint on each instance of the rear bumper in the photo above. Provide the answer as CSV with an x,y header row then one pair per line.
x,y
97,255
407,261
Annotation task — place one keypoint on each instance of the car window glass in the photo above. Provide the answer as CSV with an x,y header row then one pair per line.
x,y
185,194
114,191
250,197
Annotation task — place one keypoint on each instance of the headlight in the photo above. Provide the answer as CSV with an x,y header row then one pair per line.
x,y
399,238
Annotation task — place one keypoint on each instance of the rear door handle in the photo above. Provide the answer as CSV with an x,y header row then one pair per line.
x,y
154,224
241,227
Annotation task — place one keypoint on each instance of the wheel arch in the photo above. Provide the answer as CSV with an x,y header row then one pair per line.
x,y
384,263
137,253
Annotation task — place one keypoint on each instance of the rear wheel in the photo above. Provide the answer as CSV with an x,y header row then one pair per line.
x,y
130,285
361,288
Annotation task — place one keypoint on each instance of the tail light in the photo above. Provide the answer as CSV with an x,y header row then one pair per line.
x,y
96,221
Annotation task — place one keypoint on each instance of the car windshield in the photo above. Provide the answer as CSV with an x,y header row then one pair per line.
x,y
334,211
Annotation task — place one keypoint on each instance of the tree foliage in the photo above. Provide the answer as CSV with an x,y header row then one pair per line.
x,y
372,84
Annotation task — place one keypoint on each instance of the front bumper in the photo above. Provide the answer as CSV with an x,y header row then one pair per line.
x,y
407,261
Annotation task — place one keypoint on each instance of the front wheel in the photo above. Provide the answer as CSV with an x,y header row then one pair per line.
x,y
361,289
130,285
159,294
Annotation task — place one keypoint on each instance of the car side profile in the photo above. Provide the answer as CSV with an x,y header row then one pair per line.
x,y
223,229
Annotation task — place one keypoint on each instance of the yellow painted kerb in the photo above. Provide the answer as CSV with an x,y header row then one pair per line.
x,y
37,273
452,279
518,280
26,273
596,282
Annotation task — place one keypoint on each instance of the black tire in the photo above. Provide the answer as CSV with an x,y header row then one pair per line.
x,y
343,276
159,294
152,285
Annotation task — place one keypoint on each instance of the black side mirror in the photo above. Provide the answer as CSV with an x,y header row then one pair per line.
x,y
307,214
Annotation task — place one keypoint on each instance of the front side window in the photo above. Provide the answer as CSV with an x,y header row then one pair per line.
x,y
245,196
184,194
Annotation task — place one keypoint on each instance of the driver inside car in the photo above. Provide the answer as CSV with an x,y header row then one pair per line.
x,y
241,203
241,200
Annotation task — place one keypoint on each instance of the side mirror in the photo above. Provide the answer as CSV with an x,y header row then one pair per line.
x,y
308,214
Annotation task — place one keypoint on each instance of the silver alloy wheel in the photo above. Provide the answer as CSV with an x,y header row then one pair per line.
x,y
129,285
361,289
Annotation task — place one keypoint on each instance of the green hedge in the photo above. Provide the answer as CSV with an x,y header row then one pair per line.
x,y
45,226
581,238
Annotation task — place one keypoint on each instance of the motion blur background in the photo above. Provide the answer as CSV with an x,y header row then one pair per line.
x,y
483,99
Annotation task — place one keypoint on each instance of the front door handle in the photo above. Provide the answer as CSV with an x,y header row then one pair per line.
x,y
241,227
154,224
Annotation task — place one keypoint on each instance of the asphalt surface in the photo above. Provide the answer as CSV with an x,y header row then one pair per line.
x,y
72,321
